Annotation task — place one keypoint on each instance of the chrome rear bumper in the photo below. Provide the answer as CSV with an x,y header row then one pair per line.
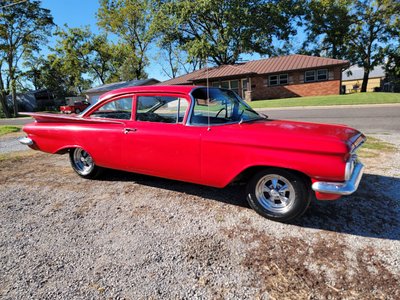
x,y
25,141
341,188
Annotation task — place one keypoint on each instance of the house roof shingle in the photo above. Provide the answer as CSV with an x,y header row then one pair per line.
x,y
262,66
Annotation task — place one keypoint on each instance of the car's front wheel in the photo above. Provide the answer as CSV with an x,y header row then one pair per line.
x,y
278,194
83,164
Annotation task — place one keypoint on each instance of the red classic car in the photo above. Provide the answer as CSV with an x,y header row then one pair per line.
x,y
206,136
77,107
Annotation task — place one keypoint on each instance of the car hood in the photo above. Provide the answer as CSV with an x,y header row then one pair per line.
x,y
301,136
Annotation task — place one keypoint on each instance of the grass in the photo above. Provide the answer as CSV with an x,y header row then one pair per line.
x,y
377,144
5,129
17,156
373,147
349,99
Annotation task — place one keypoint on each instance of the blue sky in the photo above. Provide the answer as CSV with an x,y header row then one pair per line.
x,y
75,13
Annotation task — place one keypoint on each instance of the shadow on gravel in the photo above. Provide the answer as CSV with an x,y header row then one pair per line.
x,y
369,212
373,211
234,194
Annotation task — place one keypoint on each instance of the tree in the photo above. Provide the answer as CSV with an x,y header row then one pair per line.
x,y
221,30
174,61
87,54
33,70
393,67
374,26
24,27
328,25
105,60
69,57
130,21
55,75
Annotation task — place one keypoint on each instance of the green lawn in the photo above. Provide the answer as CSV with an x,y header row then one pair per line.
x,y
4,129
350,99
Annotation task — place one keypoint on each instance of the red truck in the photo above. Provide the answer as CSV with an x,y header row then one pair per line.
x,y
77,107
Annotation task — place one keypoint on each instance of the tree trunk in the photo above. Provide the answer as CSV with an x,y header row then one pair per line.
x,y
3,102
365,81
3,98
14,97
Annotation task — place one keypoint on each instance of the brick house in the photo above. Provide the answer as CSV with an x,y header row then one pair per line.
x,y
276,77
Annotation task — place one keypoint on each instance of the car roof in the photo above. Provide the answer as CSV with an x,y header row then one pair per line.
x,y
182,89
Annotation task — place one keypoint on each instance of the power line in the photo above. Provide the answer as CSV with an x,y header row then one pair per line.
x,y
12,4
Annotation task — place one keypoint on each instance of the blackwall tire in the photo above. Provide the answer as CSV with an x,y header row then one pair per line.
x,y
278,194
83,164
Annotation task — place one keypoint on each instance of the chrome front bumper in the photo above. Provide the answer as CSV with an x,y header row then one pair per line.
x,y
25,141
341,188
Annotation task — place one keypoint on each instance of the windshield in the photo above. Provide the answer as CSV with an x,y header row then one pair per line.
x,y
220,106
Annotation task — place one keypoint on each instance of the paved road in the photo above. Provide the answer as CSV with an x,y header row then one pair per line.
x,y
18,121
369,119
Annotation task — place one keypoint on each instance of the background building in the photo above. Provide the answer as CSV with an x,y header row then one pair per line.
x,y
31,101
353,78
277,77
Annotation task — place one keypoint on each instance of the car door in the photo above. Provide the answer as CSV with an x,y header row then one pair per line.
x,y
157,140
104,137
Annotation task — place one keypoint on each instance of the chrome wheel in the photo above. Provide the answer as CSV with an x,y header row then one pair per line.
x,y
275,193
82,162
279,194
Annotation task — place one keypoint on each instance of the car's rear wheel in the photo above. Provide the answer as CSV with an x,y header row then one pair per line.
x,y
83,164
278,194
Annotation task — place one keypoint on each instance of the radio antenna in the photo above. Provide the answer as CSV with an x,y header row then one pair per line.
x,y
208,98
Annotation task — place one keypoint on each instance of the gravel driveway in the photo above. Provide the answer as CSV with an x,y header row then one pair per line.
x,y
130,236
10,143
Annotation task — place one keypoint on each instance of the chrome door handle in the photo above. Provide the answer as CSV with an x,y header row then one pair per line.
x,y
127,130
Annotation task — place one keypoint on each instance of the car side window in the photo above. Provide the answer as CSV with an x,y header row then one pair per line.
x,y
162,109
117,109
213,107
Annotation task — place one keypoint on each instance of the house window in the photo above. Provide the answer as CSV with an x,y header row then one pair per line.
x,y
245,85
234,86
322,74
316,75
283,79
229,84
273,80
309,76
280,79
225,84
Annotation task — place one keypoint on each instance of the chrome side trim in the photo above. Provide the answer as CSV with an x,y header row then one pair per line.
x,y
341,188
25,141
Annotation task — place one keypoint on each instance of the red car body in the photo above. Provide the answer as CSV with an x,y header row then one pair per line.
x,y
207,154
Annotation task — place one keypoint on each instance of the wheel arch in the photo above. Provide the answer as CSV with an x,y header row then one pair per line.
x,y
66,149
249,172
